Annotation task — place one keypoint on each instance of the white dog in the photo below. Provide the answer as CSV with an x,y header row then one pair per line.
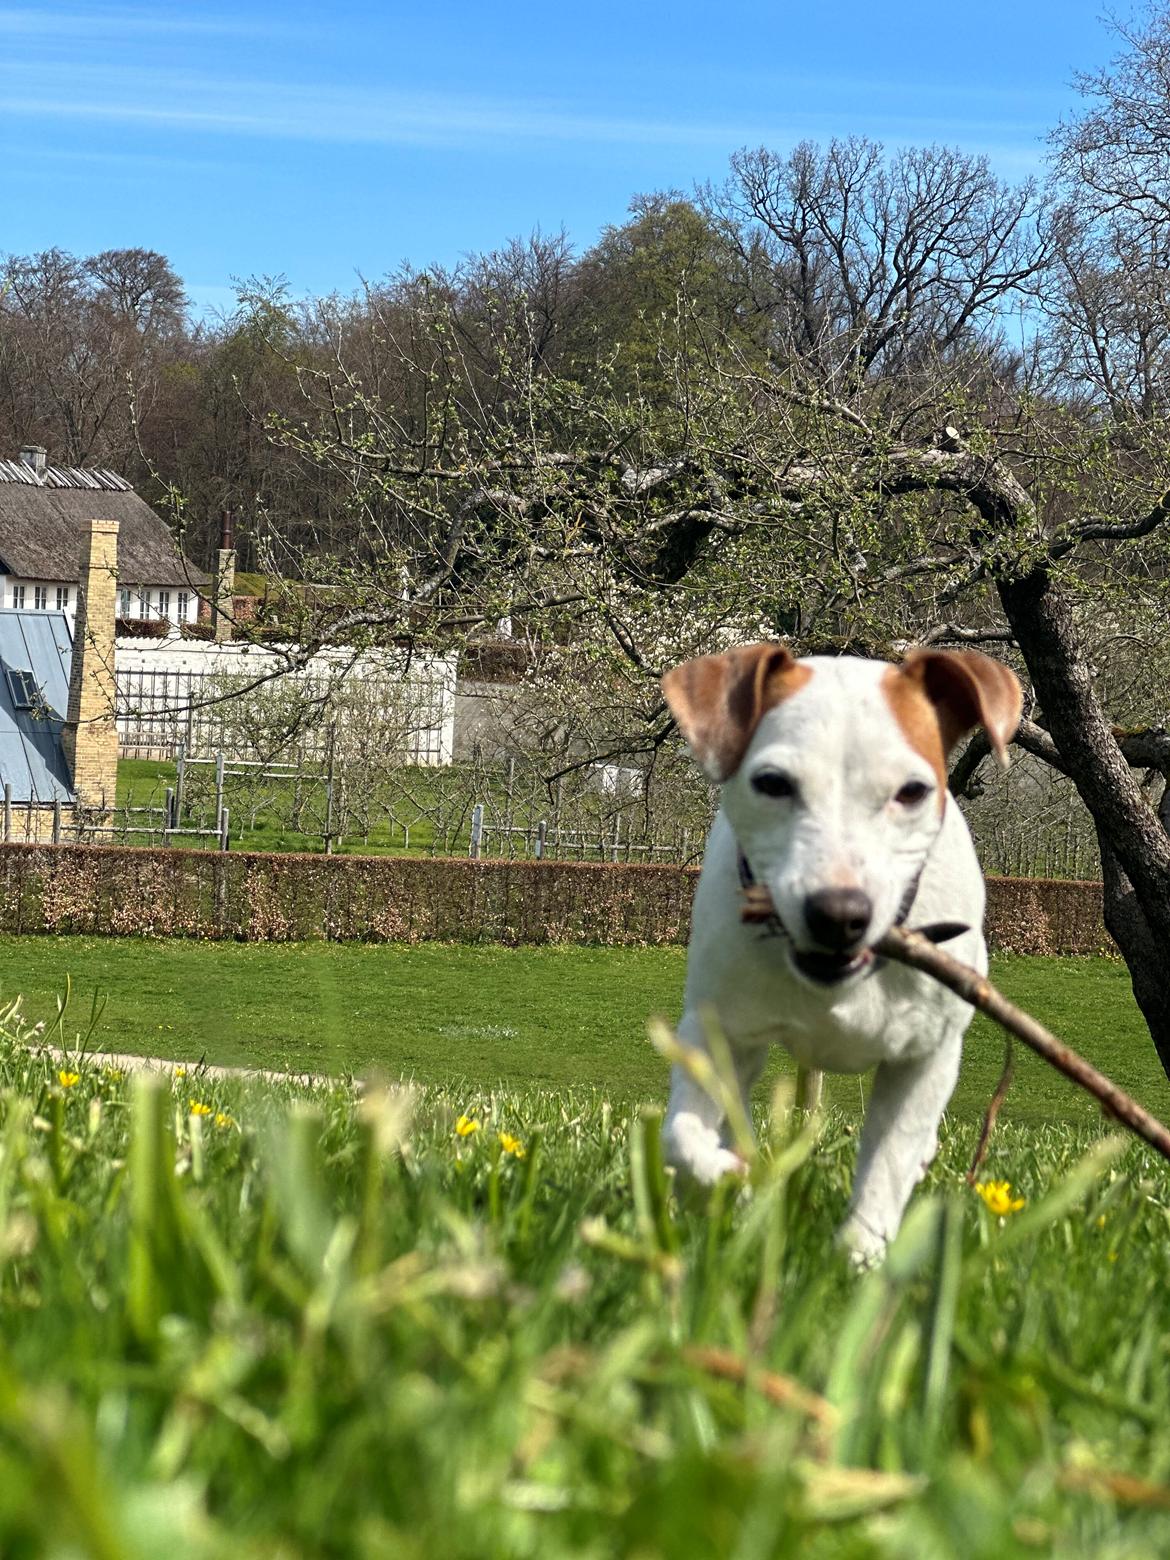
x,y
835,800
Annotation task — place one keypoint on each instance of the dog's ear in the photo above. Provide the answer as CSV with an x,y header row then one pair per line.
x,y
967,689
717,700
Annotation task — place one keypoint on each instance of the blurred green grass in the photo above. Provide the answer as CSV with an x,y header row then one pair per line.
x,y
295,1324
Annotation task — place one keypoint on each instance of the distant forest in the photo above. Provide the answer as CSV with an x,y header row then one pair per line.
x,y
857,268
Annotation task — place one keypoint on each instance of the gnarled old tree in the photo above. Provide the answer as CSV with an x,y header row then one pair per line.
x,y
895,438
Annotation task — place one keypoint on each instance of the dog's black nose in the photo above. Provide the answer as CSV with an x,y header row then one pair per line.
x,y
838,918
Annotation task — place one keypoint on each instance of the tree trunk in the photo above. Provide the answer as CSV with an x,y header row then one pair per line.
x,y
1130,930
1135,849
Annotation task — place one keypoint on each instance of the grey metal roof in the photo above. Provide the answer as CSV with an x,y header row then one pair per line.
x,y
32,760
41,525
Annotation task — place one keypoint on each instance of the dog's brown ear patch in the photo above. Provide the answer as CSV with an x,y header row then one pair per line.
x,y
718,700
918,721
966,689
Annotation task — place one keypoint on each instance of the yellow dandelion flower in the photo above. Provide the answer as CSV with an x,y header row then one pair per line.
x,y
998,1197
68,1079
511,1145
113,1074
222,1119
466,1125
180,1072
198,1108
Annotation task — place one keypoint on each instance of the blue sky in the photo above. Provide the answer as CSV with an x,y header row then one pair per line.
x,y
326,143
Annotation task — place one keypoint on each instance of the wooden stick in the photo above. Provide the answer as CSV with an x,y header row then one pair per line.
x,y
920,954
776,1388
918,951
993,1109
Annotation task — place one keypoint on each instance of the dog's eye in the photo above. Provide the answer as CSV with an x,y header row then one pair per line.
x,y
913,792
774,783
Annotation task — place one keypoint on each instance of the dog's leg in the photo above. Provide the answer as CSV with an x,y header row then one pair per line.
x,y
691,1134
810,1086
694,1132
898,1142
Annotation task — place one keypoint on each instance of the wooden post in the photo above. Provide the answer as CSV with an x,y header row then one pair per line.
x,y
225,819
219,782
476,831
7,812
180,779
509,817
56,820
541,837
329,790
168,814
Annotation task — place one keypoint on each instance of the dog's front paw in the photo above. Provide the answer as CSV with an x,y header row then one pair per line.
x,y
719,1163
697,1153
866,1247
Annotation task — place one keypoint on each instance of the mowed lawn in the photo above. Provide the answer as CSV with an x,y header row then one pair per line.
x,y
449,1014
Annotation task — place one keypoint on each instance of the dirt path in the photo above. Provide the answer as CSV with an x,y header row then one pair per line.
x,y
192,1070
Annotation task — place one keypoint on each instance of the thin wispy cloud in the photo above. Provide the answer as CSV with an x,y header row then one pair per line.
x,y
211,129
310,112
132,67
121,24
114,162
845,89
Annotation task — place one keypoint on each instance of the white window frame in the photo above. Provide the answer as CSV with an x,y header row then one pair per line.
x,y
18,597
40,598
183,606
124,602
164,604
62,598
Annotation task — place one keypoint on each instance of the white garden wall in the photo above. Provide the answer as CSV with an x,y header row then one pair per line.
x,y
172,693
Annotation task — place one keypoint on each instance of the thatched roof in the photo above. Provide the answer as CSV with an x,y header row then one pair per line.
x,y
40,527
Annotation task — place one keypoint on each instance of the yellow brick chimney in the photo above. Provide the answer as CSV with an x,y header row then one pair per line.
x,y
225,578
90,735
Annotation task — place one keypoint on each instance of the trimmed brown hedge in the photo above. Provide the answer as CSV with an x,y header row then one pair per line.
x,y
1046,915
254,897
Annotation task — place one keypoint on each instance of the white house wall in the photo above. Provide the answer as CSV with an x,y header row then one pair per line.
x,y
159,603
154,602
18,595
